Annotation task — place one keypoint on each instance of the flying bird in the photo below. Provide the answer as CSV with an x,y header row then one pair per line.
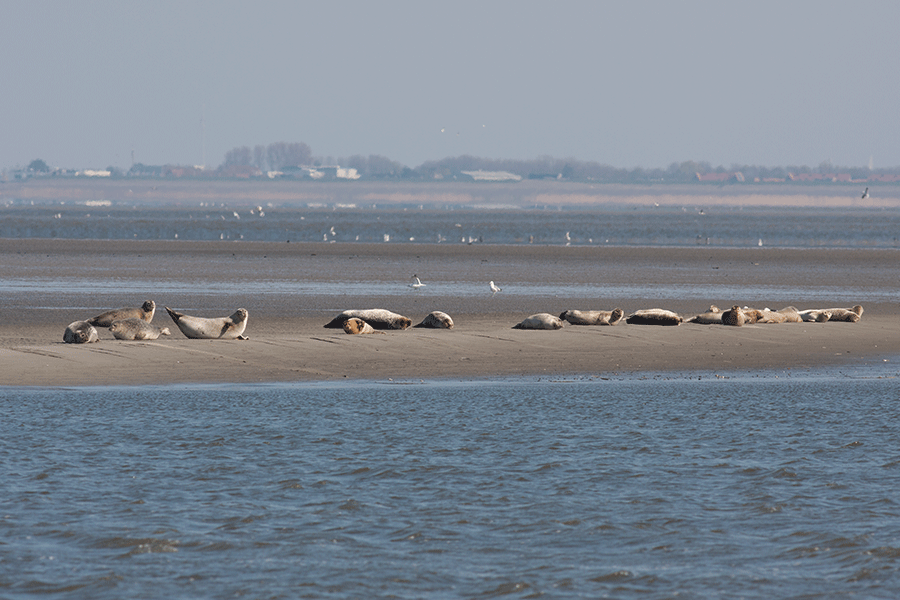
x,y
865,194
495,289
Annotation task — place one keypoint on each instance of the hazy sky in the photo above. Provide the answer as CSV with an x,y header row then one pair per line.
x,y
84,84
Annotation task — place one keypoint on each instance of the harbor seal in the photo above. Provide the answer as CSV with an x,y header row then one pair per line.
x,y
849,315
815,315
654,316
378,318
145,313
437,320
136,329
355,326
540,321
224,328
791,314
80,332
593,317
713,316
771,316
734,317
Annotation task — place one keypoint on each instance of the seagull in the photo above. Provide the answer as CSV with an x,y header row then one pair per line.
x,y
865,194
494,288
418,284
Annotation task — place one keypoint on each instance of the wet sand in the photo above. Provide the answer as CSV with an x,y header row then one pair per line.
x,y
288,342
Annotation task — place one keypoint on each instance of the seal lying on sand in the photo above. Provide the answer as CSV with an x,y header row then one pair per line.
x,y
815,315
198,328
437,320
136,329
653,316
540,321
378,318
713,316
593,317
849,315
355,326
145,313
791,314
80,332
734,316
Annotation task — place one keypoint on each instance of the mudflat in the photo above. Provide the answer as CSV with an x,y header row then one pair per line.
x,y
292,290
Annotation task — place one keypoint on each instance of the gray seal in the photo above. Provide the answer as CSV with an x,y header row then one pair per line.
x,y
654,316
80,332
220,328
136,329
145,312
437,320
378,318
593,317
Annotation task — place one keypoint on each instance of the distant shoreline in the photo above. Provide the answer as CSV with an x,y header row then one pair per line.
x,y
522,194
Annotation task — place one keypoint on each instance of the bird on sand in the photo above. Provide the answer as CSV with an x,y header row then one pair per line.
x,y
495,289
417,284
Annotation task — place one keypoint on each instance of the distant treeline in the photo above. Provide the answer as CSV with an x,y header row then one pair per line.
x,y
296,161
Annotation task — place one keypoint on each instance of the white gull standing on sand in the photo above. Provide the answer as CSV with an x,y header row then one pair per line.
x,y
495,289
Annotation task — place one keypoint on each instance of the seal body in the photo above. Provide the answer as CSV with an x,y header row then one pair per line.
x,y
540,321
437,320
791,314
224,328
378,318
355,326
849,315
145,312
815,315
654,316
80,332
713,316
593,317
136,329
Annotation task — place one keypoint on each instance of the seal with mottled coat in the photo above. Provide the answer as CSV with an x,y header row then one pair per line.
x,y
540,321
593,317
145,312
734,317
224,328
136,329
80,332
378,318
437,320
653,316
356,326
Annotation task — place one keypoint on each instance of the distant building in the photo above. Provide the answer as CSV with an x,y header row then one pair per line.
x,y
492,175
821,177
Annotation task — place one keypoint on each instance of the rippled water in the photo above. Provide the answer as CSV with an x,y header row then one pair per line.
x,y
623,225
783,485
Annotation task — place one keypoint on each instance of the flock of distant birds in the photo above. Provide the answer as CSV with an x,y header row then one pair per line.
x,y
136,323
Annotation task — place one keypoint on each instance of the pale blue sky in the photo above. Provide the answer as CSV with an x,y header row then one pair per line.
x,y
626,84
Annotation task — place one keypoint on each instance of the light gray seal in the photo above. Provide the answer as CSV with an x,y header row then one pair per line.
x,y
80,332
713,316
437,320
224,328
654,316
593,317
136,329
378,318
540,321
145,313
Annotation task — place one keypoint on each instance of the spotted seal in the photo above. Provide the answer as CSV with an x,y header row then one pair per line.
x,y
145,313
437,320
136,329
654,316
225,328
734,317
355,326
378,318
593,317
849,315
540,321
80,332
815,315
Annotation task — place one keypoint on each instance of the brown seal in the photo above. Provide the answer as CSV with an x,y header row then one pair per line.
x,y
654,316
540,321
356,326
378,318
145,312
734,316
437,320
136,329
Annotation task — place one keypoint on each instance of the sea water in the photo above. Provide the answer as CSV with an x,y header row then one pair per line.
x,y
774,485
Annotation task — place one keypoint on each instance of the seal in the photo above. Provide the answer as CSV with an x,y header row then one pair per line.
x,y
791,314
355,326
734,317
849,315
654,316
815,315
378,318
199,328
593,317
540,321
145,313
437,320
771,316
136,329
713,316
80,332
